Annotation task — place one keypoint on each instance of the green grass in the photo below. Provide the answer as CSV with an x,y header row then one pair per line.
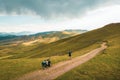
x,y
14,68
61,47
14,46
105,66
22,60
74,43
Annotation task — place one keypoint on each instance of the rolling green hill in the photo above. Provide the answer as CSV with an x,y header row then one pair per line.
x,y
104,66
74,43
27,36
23,44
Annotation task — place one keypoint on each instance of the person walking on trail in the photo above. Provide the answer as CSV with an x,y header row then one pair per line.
x,y
70,54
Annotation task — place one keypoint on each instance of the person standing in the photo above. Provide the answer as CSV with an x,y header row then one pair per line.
x,y
49,63
70,53
43,64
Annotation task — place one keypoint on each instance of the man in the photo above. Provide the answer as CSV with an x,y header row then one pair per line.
x,y
43,64
70,53
49,62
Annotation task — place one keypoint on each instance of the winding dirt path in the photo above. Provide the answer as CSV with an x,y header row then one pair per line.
x,y
62,67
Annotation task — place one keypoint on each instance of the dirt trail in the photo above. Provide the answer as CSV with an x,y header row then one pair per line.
x,y
62,67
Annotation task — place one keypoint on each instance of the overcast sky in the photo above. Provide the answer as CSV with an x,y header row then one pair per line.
x,y
47,15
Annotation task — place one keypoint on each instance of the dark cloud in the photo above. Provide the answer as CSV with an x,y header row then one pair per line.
x,y
50,8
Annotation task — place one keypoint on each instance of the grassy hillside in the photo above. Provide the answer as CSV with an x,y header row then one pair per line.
x,y
105,66
14,68
22,44
73,43
27,59
27,36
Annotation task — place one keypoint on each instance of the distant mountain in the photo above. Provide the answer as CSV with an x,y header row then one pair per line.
x,y
15,33
22,33
5,37
60,34
12,35
75,30
28,38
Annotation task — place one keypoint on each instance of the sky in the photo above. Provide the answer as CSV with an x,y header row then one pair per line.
x,y
52,15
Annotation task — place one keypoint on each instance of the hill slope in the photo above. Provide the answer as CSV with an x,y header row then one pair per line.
x,y
73,43
27,38
105,66
63,66
11,44
27,59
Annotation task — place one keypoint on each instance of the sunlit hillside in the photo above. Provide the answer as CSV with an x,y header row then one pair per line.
x,y
104,66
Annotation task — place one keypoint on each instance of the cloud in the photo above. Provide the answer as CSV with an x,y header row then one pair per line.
x,y
94,19
52,8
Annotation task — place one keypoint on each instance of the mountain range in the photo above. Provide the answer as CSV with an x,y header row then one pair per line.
x,y
43,37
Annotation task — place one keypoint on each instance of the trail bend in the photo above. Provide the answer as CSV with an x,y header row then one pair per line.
x,y
62,67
